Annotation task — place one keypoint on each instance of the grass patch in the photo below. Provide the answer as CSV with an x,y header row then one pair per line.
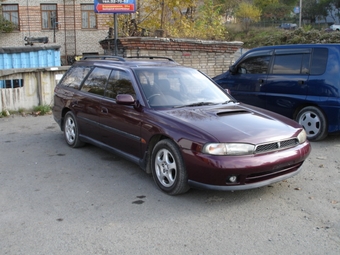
x,y
41,110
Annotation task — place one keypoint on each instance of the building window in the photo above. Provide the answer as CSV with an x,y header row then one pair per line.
x,y
88,17
48,16
10,12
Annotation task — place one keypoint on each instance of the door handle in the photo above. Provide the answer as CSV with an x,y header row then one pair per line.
x,y
104,110
301,82
261,81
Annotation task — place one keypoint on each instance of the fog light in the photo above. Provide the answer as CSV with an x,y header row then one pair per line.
x,y
232,179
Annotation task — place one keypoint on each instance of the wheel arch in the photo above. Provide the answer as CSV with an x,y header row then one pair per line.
x,y
300,107
63,113
152,143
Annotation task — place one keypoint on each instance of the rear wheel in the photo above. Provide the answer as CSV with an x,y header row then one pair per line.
x,y
71,131
168,169
314,122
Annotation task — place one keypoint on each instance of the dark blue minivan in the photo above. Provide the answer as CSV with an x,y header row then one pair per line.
x,y
299,81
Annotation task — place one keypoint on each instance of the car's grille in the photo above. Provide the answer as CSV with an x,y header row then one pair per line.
x,y
279,145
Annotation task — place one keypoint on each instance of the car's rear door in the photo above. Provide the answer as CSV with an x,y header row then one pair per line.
x,y
287,82
88,102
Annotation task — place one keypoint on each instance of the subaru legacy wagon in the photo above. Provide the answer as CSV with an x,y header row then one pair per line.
x,y
176,124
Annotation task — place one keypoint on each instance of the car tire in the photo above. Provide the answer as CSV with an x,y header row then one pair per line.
x,y
314,122
71,131
168,169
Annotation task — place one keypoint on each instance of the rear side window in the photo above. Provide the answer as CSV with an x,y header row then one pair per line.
x,y
74,77
96,81
254,65
291,64
319,61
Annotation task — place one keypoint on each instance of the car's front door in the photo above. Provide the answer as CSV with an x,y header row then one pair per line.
x,y
121,124
247,79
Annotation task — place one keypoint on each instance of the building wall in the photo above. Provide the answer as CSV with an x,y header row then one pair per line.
x,y
86,40
210,57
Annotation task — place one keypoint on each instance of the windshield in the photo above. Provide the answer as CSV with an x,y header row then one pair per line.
x,y
178,87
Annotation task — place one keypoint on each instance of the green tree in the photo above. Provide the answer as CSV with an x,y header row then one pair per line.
x,y
332,7
177,18
277,11
209,24
246,14
262,4
313,9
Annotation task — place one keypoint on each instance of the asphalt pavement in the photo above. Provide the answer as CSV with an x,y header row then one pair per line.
x,y
59,200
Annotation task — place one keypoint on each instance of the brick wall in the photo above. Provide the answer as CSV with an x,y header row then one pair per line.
x,y
30,26
211,57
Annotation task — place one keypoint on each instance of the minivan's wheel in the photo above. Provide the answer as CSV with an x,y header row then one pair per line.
x,y
168,169
71,132
314,122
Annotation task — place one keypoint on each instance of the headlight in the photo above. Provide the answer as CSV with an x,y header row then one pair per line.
x,y
302,137
228,149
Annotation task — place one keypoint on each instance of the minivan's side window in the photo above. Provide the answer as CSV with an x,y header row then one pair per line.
x,y
75,76
319,61
254,65
291,64
119,83
96,81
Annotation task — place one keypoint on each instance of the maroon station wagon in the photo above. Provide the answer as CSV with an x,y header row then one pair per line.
x,y
176,124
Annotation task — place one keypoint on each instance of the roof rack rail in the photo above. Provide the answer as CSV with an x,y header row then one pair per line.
x,y
102,57
152,57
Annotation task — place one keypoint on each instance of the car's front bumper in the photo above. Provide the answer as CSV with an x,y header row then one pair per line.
x,y
213,172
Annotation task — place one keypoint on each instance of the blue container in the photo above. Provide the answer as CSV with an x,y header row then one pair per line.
x,y
29,57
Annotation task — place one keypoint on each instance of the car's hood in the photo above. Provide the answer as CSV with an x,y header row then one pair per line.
x,y
236,122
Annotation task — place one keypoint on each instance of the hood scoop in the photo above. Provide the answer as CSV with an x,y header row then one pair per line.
x,y
232,112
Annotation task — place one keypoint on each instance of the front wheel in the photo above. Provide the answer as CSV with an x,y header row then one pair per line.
x,y
71,131
314,122
168,169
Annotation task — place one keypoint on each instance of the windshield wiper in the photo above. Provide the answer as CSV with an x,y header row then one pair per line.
x,y
195,104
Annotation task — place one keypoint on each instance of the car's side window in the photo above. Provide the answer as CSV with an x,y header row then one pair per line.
x,y
319,61
291,64
75,76
119,83
96,81
254,65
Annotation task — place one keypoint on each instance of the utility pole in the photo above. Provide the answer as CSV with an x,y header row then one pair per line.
x,y
300,14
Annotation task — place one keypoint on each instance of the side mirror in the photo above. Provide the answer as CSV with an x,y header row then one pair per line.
x,y
125,99
232,69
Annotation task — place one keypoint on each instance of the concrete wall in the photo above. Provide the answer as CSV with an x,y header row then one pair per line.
x,y
38,87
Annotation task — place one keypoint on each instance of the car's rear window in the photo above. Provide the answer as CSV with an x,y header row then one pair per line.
x,y
319,61
74,77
